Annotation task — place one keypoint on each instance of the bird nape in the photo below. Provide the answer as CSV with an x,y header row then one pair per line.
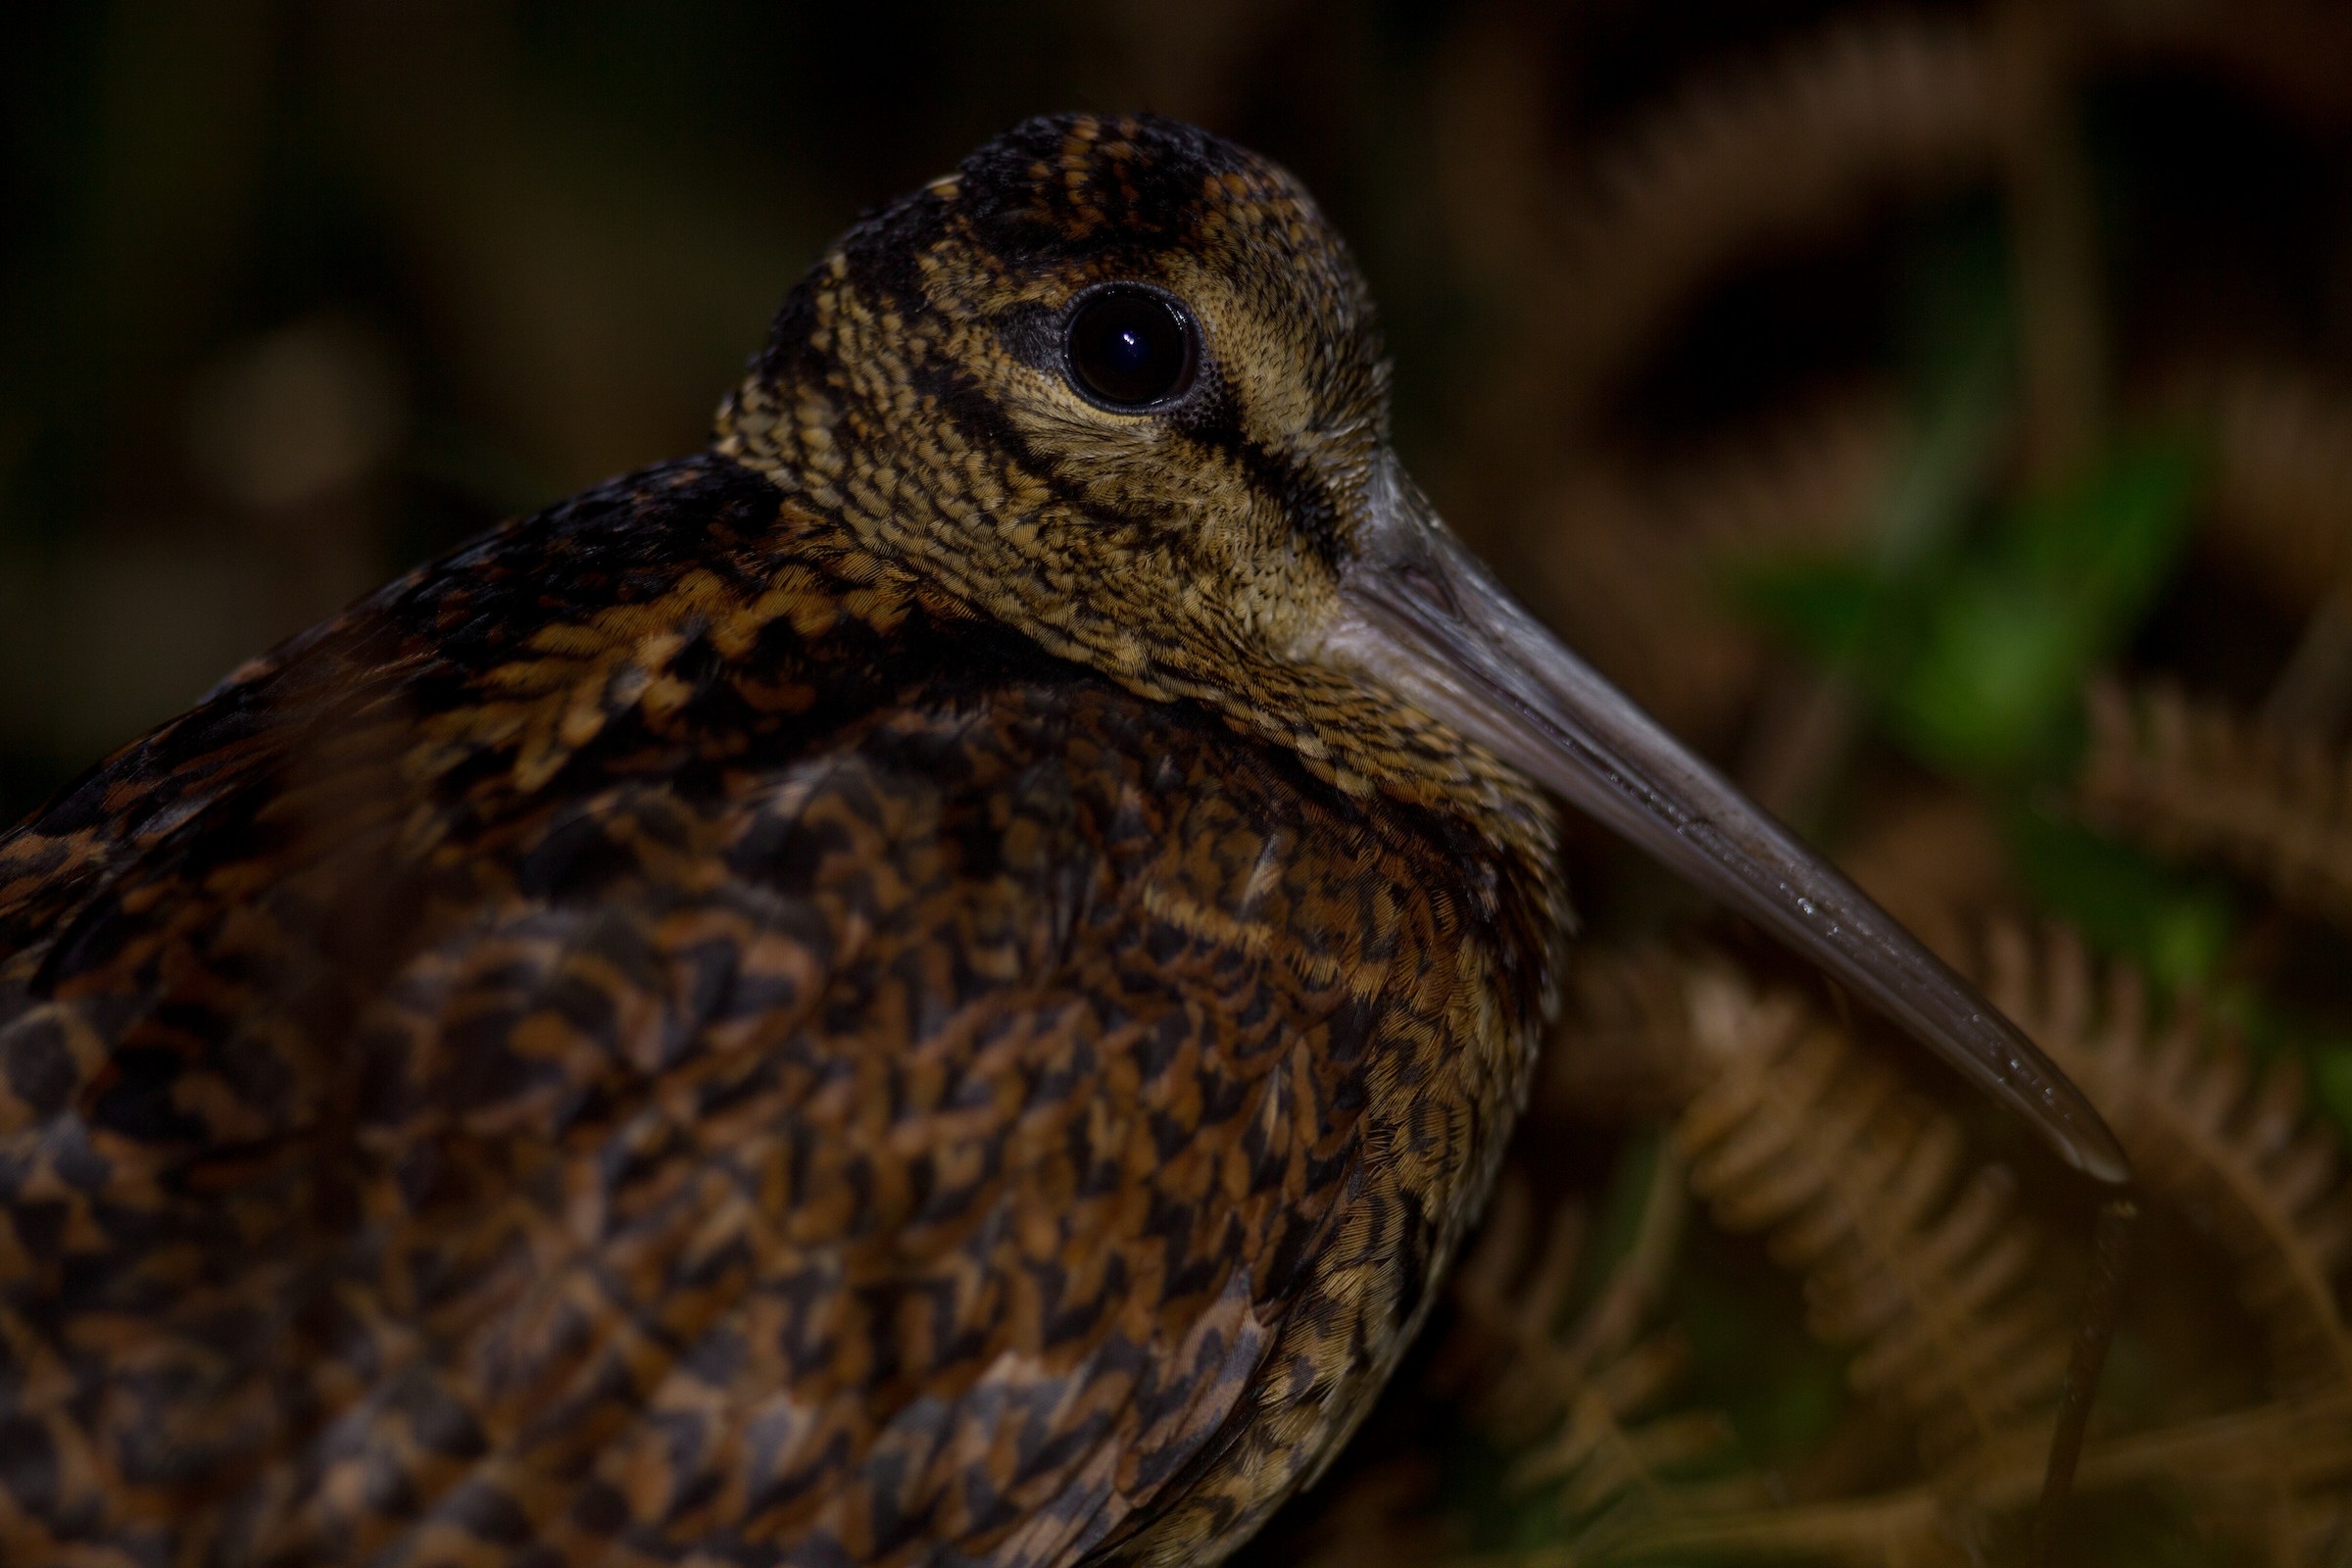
x,y
934,983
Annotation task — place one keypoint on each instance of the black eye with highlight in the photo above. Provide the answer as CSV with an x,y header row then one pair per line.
x,y
1129,348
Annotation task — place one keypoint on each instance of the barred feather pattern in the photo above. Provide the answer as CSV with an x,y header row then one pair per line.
x,y
2194,781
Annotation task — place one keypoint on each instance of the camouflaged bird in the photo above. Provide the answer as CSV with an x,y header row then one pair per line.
x,y
935,983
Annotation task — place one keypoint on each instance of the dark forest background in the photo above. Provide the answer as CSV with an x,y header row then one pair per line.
x,y
1940,412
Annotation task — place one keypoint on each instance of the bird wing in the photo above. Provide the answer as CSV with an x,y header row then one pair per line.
x,y
911,1141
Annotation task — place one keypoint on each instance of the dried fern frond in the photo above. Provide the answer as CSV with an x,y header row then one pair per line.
x,y
2229,1148
1490,144
2274,1478
1810,479
2192,780
1792,143
1510,1294
1380,1518
1569,1397
2288,54
1629,562
1633,596
2282,477
1932,857
1926,1271
1621,1051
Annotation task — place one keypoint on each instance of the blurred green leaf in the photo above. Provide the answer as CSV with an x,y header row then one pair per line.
x,y
1832,609
1975,661
1999,660
2176,928
2331,1083
1973,647
1956,322
1618,1221
2053,589
1778,1386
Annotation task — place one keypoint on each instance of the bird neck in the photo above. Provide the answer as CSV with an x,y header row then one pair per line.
x,y
797,433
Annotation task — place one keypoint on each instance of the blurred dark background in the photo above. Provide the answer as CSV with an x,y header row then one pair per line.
x,y
296,294
1852,383
293,294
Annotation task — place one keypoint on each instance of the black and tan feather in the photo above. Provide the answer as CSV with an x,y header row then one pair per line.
x,y
833,1001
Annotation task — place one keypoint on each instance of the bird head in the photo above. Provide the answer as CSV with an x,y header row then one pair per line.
x,y
1116,384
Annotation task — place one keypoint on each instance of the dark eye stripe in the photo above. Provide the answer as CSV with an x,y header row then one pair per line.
x,y
1282,478
960,398
1209,418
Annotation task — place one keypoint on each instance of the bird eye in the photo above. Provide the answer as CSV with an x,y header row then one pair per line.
x,y
1129,349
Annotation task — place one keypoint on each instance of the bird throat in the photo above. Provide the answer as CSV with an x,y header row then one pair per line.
x,y
1341,729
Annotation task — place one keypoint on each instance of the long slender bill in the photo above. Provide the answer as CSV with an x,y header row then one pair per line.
x,y
1428,620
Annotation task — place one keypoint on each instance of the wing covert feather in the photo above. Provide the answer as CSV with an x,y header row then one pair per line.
x,y
892,1146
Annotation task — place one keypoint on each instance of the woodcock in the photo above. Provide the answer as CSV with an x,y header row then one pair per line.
x,y
935,983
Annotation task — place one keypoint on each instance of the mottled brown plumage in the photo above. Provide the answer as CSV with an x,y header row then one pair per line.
x,y
921,987
829,1002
